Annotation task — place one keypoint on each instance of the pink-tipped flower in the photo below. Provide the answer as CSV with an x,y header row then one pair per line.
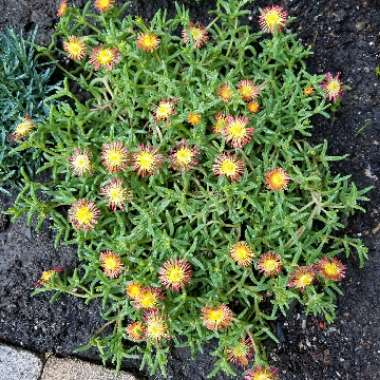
x,y
47,276
248,90
273,19
116,194
270,264
75,48
156,326
220,123
175,274
228,165
84,215
241,352
62,8
164,110
331,269
225,93
195,33
148,298
111,264
136,331
104,5
184,157
23,129
80,162
114,156
276,179
333,87
242,254
302,277
236,132
104,57
262,373
147,161
217,318
148,42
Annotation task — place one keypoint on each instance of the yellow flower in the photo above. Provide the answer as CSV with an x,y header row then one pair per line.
x,y
331,269
302,277
23,129
75,48
184,157
81,162
262,373
104,5
236,132
270,264
248,90
116,194
196,34
84,215
309,90
242,254
114,157
47,276
253,107
229,166
148,42
103,57
194,119
134,290
225,93
241,352
136,331
156,326
273,19
148,298
175,274
277,179
164,110
62,8
111,264
146,161
220,123
333,87
217,318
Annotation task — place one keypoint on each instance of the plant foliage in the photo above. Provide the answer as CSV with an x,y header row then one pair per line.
x,y
193,215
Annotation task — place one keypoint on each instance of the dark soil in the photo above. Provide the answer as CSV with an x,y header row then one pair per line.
x,y
345,36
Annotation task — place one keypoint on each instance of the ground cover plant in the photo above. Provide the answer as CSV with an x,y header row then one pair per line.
x,y
24,84
199,209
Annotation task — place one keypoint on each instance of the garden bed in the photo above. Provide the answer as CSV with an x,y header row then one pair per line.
x,y
345,37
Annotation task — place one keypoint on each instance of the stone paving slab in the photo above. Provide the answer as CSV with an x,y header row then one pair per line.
x,y
70,369
18,364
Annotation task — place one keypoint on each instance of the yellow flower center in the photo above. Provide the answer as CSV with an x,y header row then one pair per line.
x,y
239,350
175,275
219,125
253,107
225,93
116,194
46,276
115,157
133,290
164,110
228,167
149,41
333,86
262,376
273,19
331,269
270,265
75,48
196,33
111,263
105,56
148,300
145,160
245,91
242,253
84,215
184,156
194,119
24,128
216,315
103,4
277,179
236,130
305,279
81,162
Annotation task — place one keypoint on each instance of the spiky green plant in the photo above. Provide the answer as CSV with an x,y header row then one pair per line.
x,y
255,243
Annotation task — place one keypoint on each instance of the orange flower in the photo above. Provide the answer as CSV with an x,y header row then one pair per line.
x,y
116,194
165,110
104,5
156,326
195,33
175,274
194,119
47,276
75,48
80,162
84,215
217,318
23,129
62,8
272,19
302,277
309,90
114,156
148,298
104,57
248,90
270,264
225,93
148,42
111,264
147,160
184,157
241,353
220,123
136,331
229,166
242,254
253,107
262,373
331,269
134,290
277,179
236,132
333,87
